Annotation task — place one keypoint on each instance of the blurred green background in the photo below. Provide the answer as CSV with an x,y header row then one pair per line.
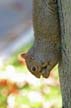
x,y
20,89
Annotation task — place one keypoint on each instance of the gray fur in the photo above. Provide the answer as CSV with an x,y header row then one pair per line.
x,y
45,53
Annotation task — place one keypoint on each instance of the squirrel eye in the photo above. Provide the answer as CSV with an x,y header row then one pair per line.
x,y
34,68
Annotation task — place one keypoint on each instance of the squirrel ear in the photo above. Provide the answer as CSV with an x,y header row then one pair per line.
x,y
21,57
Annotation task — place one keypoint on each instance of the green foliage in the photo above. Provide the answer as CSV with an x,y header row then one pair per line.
x,y
33,93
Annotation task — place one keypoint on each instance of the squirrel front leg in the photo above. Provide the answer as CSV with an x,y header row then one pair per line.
x,y
45,53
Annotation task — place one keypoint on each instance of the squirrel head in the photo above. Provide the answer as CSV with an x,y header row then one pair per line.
x,y
36,68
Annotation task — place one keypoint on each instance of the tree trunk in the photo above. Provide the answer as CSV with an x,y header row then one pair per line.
x,y
65,64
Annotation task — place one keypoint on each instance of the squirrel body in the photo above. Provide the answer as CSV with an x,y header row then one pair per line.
x,y
45,53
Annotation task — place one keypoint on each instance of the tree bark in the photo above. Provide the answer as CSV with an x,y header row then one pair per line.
x,y
65,63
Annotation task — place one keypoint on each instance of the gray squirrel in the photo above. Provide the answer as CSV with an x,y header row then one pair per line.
x,y
45,53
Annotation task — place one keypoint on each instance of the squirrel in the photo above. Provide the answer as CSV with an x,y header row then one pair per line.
x,y
45,52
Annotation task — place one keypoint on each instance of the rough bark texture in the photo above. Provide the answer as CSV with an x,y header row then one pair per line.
x,y
45,53
65,64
